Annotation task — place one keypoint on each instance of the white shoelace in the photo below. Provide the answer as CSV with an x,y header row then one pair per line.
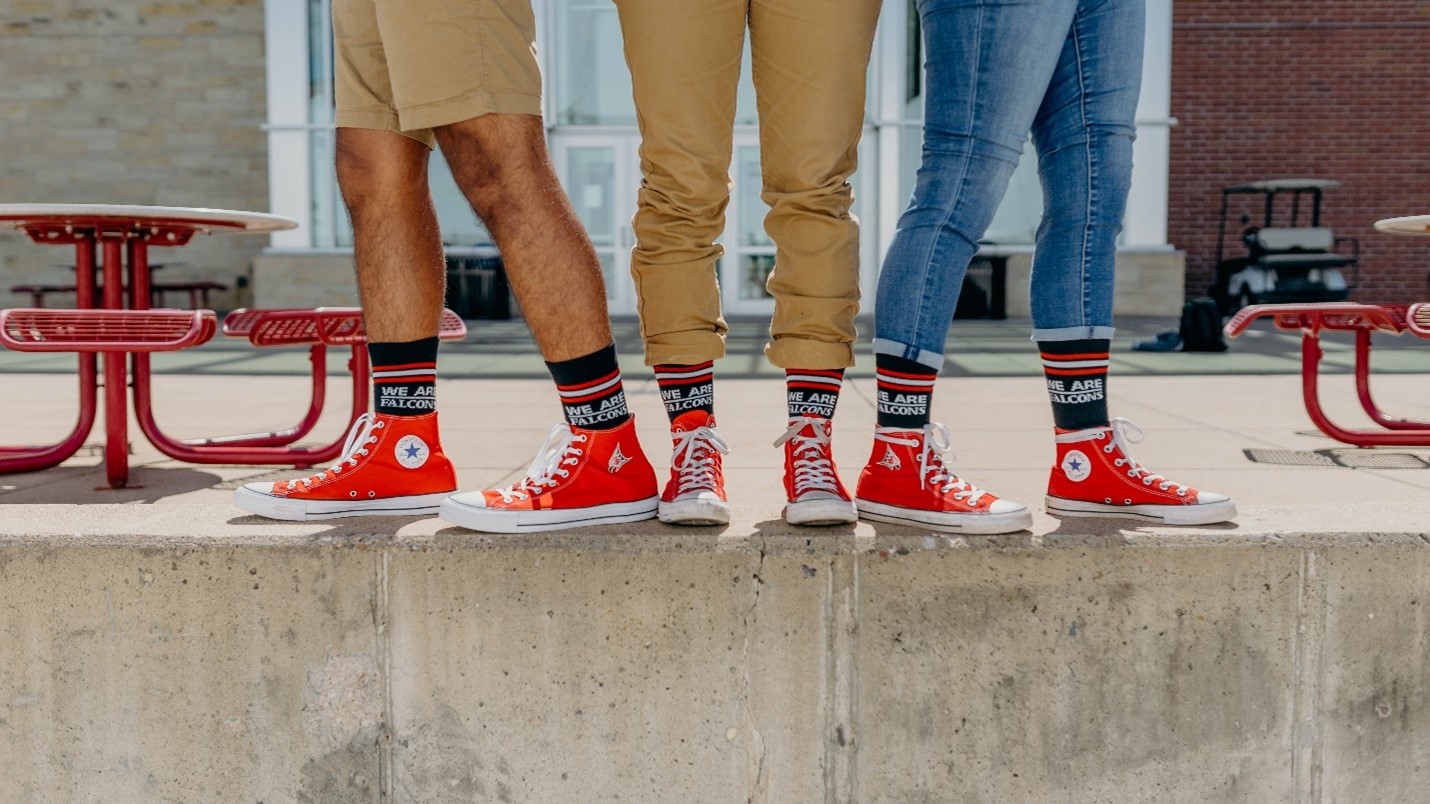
x,y
1124,432
558,452
695,458
813,470
356,444
933,471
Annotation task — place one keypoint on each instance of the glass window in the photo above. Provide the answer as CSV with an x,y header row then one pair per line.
x,y
592,85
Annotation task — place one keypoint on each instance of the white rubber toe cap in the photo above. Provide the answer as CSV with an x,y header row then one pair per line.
x,y
1211,498
1005,507
471,499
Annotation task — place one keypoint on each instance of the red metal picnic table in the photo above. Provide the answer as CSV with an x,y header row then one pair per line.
x,y
119,324
1363,320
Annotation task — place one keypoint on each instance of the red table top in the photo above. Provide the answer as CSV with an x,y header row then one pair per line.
x,y
66,223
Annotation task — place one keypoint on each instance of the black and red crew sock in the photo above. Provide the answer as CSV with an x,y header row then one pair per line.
x,y
686,388
404,377
813,392
592,396
905,391
1076,372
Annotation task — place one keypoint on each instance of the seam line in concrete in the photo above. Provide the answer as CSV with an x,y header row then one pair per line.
x,y
759,786
1306,752
383,623
841,618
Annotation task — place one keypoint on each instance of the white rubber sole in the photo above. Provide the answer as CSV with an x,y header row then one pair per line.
x,y
293,510
973,524
489,520
695,512
821,513
1196,514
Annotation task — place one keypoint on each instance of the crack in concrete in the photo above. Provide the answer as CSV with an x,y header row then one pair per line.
x,y
759,790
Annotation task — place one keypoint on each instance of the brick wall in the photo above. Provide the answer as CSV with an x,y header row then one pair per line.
x,y
1325,88
134,102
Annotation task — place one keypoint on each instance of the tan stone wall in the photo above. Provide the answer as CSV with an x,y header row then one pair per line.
x,y
1146,283
134,102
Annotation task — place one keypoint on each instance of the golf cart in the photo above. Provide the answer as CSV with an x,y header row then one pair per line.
x,y
1292,262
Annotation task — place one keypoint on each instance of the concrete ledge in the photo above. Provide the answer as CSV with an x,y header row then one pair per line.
x,y
190,653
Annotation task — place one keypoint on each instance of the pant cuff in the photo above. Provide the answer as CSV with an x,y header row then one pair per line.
x,y
804,353
1074,334
884,346
685,348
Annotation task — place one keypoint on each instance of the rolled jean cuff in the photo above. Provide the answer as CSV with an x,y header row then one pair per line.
x,y
806,353
1074,334
685,348
884,346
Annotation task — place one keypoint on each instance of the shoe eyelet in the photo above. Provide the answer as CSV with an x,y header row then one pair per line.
x,y
1163,486
1127,501
1107,500
1147,481
371,494
1181,492
1107,449
1118,462
352,494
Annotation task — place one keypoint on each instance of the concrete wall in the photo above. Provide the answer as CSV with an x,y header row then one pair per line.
x,y
1146,283
133,102
266,662
304,280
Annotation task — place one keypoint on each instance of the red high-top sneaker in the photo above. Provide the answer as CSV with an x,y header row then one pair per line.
x,y
580,477
1094,476
695,494
390,466
906,482
812,487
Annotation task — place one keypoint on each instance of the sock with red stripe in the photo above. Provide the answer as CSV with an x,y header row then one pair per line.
x,y
591,393
905,388
1077,381
813,392
687,388
404,377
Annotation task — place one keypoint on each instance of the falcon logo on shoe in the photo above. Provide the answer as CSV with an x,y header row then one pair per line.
x,y
411,452
1076,466
891,461
617,461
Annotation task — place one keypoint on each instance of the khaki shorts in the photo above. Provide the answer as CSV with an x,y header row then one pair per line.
x,y
412,65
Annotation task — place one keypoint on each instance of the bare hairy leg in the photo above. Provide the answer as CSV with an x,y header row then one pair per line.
x,y
502,166
396,243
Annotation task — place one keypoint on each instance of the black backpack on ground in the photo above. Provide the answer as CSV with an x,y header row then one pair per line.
x,y
1201,326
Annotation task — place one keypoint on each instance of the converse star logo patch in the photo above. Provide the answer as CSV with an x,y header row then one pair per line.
x,y
411,452
617,461
1076,466
891,461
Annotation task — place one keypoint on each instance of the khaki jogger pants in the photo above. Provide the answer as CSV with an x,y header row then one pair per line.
x,y
810,58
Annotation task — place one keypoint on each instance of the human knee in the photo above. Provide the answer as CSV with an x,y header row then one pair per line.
x,y
494,154
374,164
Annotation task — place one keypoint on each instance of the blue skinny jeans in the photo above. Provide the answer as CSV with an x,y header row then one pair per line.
x,y
1070,72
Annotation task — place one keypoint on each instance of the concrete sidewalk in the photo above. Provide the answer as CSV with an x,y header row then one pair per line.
x,y
1247,436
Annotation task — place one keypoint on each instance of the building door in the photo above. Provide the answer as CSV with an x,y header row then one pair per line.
x,y
601,175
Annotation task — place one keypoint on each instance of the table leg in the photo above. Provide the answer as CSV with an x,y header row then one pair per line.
x,y
116,413
1367,402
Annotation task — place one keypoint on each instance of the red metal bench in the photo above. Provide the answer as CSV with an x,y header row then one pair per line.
x,y
317,329
1364,320
89,332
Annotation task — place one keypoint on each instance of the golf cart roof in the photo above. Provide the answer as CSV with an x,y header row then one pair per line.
x,y
1283,186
